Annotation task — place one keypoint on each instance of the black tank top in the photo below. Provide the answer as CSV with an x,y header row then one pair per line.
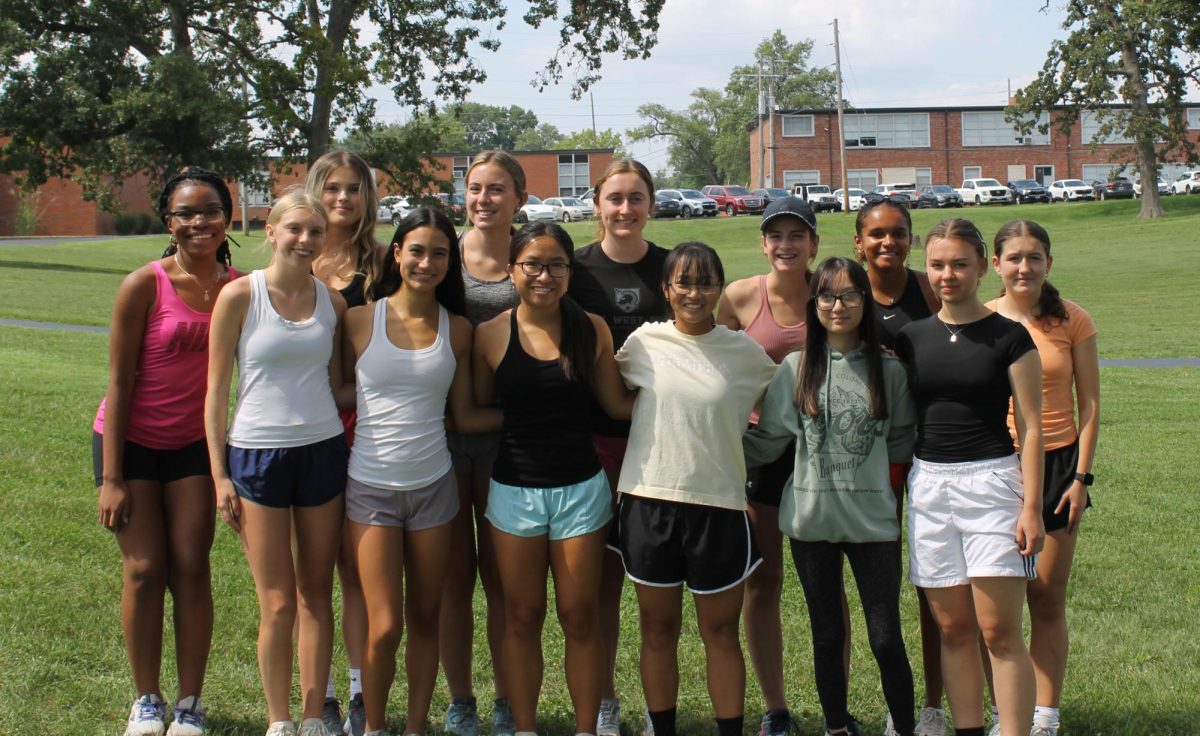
x,y
547,437
910,307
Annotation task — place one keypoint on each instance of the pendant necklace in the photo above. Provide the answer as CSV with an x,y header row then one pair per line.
x,y
207,290
954,333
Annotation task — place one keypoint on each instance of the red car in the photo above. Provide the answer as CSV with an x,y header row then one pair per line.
x,y
735,200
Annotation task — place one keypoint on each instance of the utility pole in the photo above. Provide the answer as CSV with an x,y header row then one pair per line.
x,y
762,143
837,70
593,101
771,116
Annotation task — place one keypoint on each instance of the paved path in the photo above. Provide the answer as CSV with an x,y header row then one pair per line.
x,y
1104,363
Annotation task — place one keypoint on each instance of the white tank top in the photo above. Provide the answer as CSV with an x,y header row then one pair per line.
x,y
400,435
284,398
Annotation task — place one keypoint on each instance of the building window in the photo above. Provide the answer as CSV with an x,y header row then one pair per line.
x,y
255,196
924,177
972,172
1193,118
864,179
792,178
1101,172
797,126
1089,127
897,130
573,174
991,129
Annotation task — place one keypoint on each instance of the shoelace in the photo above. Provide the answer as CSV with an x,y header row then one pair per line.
x,y
149,710
461,714
191,716
778,724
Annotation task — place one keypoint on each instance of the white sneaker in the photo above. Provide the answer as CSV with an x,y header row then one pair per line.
x,y
146,716
995,729
890,728
189,718
313,727
1047,730
281,728
932,722
648,728
608,722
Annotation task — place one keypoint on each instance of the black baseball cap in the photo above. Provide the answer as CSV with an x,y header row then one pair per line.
x,y
794,206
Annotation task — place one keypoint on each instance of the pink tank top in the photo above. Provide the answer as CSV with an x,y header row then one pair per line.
x,y
776,339
167,408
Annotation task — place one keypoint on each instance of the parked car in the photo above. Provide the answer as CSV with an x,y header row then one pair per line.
x,y
692,203
569,209
1070,190
903,189
1164,188
393,209
770,194
1028,190
938,196
454,205
1116,188
818,196
665,206
734,199
1187,183
985,191
535,210
856,198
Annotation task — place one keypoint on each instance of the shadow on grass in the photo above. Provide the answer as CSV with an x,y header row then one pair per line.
x,y
59,267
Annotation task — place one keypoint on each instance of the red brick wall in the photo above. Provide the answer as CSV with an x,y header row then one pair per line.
x,y
541,168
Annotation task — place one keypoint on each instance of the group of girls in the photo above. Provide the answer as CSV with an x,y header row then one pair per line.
x,y
500,403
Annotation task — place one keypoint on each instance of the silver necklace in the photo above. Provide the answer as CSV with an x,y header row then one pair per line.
x,y
954,333
207,290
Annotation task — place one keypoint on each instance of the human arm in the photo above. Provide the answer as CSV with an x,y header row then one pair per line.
x,y
1025,377
341,381
356,333
486,354
610,389
135,298
224,331
730,305
1084,356
468,415
778,421
902,424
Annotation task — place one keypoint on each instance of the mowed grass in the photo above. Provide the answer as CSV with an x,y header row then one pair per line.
x,y
1135,658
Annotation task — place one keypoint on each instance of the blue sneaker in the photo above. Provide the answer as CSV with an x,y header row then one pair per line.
x,y
146,716
462,718
503,723
189,718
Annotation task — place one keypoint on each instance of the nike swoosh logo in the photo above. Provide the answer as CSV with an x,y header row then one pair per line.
x,y
888,316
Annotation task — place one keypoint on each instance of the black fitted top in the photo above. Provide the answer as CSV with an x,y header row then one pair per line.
x,y
910,307
962,387
547,437
353,292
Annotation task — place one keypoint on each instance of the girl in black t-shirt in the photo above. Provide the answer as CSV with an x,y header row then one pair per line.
x,y
974,519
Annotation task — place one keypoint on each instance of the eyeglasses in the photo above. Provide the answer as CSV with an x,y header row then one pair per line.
x,y
533,268
849,300
212,214
876,198
683,288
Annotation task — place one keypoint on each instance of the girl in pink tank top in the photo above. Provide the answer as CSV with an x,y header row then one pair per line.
x,y
149,456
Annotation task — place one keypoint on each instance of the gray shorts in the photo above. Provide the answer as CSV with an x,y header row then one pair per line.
x,y
421,508
473,454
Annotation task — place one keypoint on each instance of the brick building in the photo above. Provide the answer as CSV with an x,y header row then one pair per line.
x,y
933,145
547,173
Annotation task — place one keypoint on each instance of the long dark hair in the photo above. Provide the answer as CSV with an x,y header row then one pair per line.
x,y
696,258
1050,303
197,175
577,351
813,369
383,273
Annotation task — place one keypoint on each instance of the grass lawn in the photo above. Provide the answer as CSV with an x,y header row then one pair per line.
x,y
1135,657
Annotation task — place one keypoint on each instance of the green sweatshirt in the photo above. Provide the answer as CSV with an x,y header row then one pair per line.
x,y
840,489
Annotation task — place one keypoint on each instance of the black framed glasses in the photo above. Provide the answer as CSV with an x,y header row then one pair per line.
x,y
533,268
849,299
877,198
683,288
212,214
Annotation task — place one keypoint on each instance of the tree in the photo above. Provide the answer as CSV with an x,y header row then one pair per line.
x,y
587,138
692,133
541,138
489,126
1142,53
263,76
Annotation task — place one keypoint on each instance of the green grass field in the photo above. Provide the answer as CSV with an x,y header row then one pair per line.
x,y
1135,660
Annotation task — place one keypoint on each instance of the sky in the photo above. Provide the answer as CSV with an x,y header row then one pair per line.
x,y
895,53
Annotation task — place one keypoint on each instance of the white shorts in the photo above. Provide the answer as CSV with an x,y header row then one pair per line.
x,y
962,520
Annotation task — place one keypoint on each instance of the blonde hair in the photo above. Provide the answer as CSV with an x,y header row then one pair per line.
x,y
505,161
295,198
363,239
622,166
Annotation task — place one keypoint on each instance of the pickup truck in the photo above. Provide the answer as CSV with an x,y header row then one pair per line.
x,y
985,191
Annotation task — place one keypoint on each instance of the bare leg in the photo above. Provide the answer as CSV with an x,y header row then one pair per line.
x,y
493,589
425,553
143,546
1048,643
999,604
954,610
612,580
576,564
523,563
660,613
380,562
931,653
191,514
319,537
718,615
457,627
354,606
764,588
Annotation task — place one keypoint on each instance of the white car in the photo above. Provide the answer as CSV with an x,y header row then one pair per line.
x,y
1070,190
986,191
569,209
1187,183
535,210
691,202
904,189
856,198
1164,188
393,209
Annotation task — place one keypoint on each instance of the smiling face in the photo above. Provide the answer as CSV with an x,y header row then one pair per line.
x,y
342,197
623,205
1022,265
692,296
492,198
196,235
840,319
885,239
298,237
541,289
789,244
955,269
423,259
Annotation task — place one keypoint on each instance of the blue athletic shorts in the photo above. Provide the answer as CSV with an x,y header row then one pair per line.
x,y
279,477
560,513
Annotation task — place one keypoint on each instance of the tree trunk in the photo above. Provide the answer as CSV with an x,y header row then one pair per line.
x,y
1147,155
341,15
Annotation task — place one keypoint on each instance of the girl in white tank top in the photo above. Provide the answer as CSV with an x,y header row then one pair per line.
x,y
412,358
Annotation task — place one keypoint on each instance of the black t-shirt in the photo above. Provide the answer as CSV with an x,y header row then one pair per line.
x,y
961,387
626,295
910,307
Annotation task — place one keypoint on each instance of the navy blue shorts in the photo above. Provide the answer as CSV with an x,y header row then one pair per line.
x,y
147,463
279,477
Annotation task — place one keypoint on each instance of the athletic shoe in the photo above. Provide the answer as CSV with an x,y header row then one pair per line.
x,y
648,729
356,718
776,723
608,722
1049,730
931,723
850,730
315,727
331,716
462,718
995,729
503,723
146,716
890,728
189,718
281,728
380,732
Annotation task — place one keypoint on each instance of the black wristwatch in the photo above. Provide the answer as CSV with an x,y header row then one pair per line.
x,y
1085,478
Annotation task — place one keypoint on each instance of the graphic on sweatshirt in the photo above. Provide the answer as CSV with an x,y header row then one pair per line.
x,y
843,433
